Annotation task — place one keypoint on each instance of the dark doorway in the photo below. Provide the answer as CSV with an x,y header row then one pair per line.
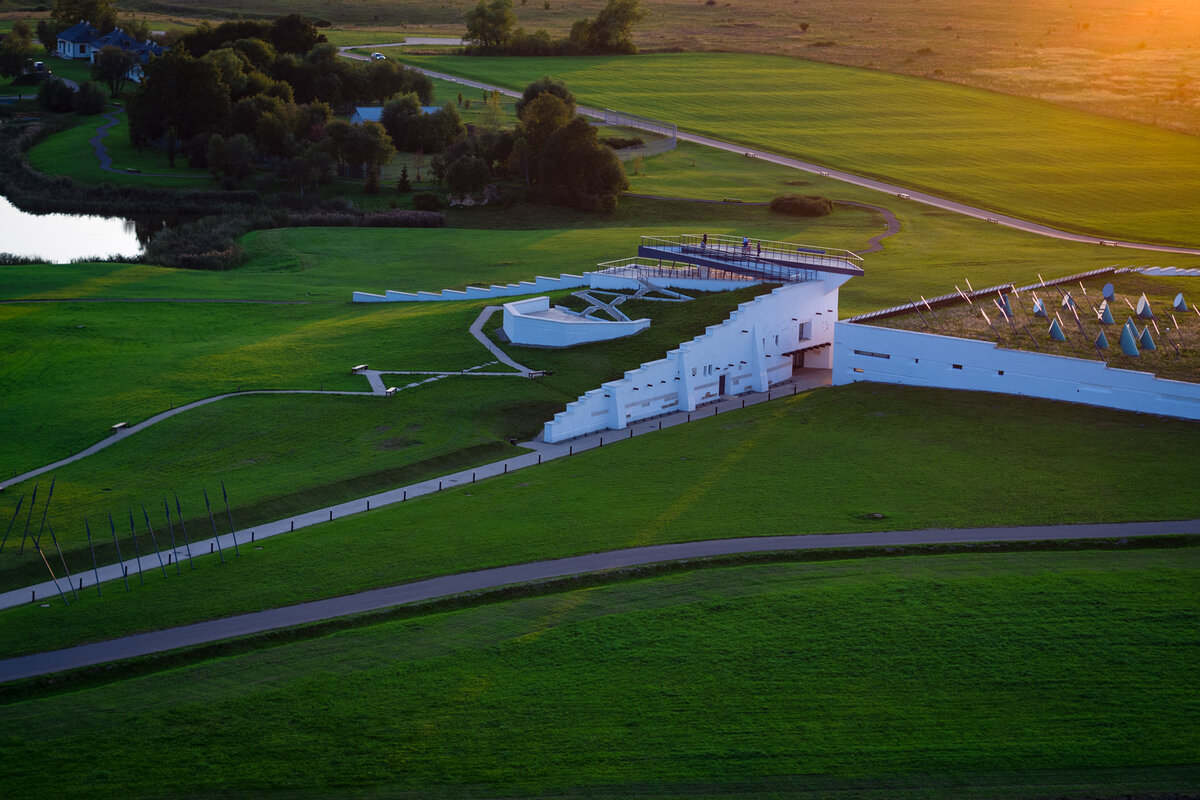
x,y
721,386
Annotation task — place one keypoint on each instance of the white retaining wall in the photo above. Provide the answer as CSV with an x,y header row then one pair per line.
x,y
604,280
539,284
886,355
537,331
747,350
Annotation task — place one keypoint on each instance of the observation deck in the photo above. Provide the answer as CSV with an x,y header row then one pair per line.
x,y
758,259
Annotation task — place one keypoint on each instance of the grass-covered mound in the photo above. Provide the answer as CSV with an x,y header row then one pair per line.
x,y
979,676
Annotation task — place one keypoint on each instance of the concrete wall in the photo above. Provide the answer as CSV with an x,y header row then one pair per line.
x,y
540,331
747,351
539,284
602,280
885,355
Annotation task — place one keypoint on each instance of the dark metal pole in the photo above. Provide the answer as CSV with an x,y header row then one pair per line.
x,y
52,576
42,524
16,511
154,541
28,519
216,536
232,533
54,539
120,561
91,547
183,527
171,528
137,553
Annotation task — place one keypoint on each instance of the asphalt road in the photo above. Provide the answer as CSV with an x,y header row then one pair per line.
x,y
481,580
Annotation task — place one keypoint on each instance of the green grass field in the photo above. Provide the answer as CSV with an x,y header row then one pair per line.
x,y
278,455
1017,156
819,462
960,676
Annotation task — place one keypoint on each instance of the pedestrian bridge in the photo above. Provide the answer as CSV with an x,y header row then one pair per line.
x,y
760,259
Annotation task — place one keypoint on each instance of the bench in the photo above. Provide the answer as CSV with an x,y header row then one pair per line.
x,y
357,369
119,426
391,390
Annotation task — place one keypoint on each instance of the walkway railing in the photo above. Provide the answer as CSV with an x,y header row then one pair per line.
x,y
760,257
650,268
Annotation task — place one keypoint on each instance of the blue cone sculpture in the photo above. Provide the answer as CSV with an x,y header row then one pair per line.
x,y
1056,332
1143,308
1128,342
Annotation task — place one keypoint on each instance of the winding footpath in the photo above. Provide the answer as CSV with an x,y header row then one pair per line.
x,y
489,579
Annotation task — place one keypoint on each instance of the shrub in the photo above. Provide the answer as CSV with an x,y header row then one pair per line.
x,y
404,185
426,201
802,205
620,143
90,99
56,96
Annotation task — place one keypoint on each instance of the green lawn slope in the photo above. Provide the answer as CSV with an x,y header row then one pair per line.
x,y
1014,155
963,676
825,461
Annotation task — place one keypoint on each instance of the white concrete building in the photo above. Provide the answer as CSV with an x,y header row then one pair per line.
x,y
760,345
914,358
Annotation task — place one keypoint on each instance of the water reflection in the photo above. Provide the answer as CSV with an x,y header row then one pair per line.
x,y
62,238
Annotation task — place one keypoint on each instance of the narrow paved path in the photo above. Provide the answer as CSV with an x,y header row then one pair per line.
x,y
477,332
101,151
125,433
856,180
482,580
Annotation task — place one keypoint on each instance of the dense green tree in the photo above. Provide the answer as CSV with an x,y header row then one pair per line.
x,y
546,85
16,50
89,99
54,95
612,29
179,91
467,174
261,54
295,34
214,154
490,24
48,31
112,67
239,156
539,119
102,14
576,169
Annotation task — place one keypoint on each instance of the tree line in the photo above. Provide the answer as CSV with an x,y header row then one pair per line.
x,y
492,30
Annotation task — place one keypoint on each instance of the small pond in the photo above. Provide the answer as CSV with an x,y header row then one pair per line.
x,y
62,238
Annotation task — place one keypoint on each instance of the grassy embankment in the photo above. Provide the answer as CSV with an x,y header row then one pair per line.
x,y
94,359
825,461
1013,155
960,676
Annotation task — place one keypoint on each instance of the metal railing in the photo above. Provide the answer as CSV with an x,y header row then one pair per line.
x,y
750,253
665,129
646,268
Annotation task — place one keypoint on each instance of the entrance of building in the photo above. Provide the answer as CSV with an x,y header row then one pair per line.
x,y
721,386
